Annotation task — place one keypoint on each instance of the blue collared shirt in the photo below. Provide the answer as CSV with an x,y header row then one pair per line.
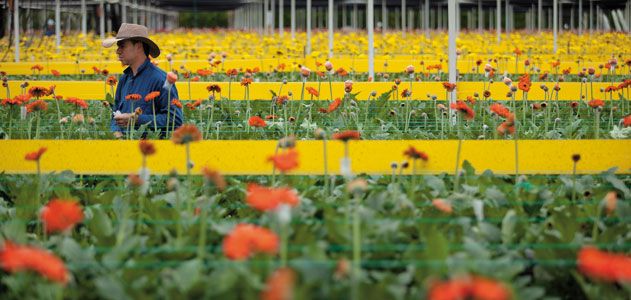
x,y
149,78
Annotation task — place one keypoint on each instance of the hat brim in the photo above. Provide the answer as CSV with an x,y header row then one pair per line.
x,y
154,50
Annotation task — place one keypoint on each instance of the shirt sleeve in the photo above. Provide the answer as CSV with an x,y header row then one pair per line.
x,y
165,110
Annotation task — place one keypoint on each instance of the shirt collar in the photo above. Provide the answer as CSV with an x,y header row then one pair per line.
x,y
144,65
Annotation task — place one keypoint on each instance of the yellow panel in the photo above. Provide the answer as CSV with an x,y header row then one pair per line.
x,y
373,157
94,90
358,64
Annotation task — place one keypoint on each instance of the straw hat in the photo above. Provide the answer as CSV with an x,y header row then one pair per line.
x,y
137,32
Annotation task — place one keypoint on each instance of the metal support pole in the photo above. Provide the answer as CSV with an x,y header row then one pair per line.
x,y
384,16
123,11
555,22
539,16
102,19
498,22
16,29
330,21
370,24
281,15
453,32
293,19
426,18
84,18
403,15
57,24
308,8
507,18
480,16
580,17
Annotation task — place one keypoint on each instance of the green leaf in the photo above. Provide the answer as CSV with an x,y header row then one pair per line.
x,y
508,226
187,274
110,288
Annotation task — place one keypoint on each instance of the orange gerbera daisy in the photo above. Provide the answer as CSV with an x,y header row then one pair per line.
x,y
462,107
596,103
264,199
16,258
256,121
35,156
341,72
133,97
524,83
232,72
347,135
185,134
332,106
285,161
280,285
213,88
626,122
464,288
412,153
77,102
246,239
449,87
176,103
60,215
38,105
111,80
55,73
194,105
215,177
39,91
500,110
146,148
246,81
312,91
603,265
152,96
442,205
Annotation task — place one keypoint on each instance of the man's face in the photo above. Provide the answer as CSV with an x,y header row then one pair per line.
x,y
128,52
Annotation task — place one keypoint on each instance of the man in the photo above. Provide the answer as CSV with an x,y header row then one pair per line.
x,y
141,78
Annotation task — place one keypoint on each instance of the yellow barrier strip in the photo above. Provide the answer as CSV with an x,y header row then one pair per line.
x,y
358,64
372,157
94,90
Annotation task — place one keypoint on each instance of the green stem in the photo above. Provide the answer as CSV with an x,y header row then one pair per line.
x,y
356,248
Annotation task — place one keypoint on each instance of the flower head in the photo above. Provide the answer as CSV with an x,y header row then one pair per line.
x,y
312,91
185,134
442,205
246,239
605,266
146,148
133,97
38,91
412,153
264,198
347,135
256,121
77,102
285,161
35,156
596,103
16,258
449,87
38,105
215,177
213,88
171,77
463,108
111,80
61,215
152,96
280,285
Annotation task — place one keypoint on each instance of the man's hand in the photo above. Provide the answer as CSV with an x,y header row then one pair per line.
x,y
123,119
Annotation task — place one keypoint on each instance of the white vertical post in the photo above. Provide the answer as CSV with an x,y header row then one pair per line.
x,y
370,24
539,16
560,17
480,16
591,16
57,23
330,22
16,29
506,18
403,21
293,19
384,16
580,17
281,15
453,31
308,8
426,18
498,22
555,22
102,19
84,18
123,11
